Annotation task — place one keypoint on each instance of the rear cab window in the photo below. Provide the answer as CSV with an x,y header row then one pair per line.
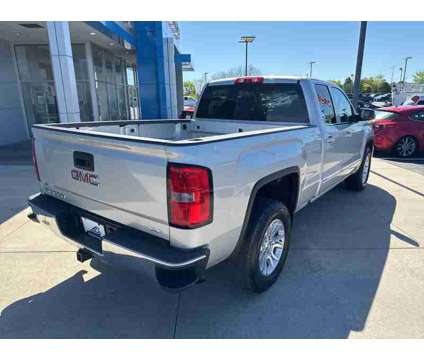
x,y
276,102
325,103
385,115
342,106
418,116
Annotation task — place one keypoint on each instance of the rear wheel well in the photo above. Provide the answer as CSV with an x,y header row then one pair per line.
x,y
284,189
282,186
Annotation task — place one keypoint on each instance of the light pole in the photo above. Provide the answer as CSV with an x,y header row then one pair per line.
x,y
310,68
206,77
246,39
400,78
359,58
404,69
393,70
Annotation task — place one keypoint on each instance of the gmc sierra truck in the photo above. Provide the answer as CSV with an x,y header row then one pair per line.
x,y
187,194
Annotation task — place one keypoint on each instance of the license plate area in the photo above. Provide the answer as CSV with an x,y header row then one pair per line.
x,y
93,228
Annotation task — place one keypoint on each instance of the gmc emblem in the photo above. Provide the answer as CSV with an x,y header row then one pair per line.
x,y
85,177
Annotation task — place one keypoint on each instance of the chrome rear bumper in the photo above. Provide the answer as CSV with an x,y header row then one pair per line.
x,y
175,268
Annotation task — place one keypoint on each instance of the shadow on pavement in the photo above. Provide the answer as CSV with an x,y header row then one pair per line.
x,y
338,252
115,304
17,179
16,154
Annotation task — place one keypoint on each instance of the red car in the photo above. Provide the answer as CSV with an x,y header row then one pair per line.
x,y
187,113
399,129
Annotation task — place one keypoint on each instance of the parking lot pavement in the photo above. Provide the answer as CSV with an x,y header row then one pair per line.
x,y
414,164
355,269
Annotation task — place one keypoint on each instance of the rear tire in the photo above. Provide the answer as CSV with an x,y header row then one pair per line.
x,y
358,180
266,244
406,147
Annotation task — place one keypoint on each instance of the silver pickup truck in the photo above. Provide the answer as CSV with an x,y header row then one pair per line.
x,y
188,194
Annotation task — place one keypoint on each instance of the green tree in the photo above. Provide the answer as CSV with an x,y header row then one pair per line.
x,y
189,88
419,77
375,84
348,85
337,82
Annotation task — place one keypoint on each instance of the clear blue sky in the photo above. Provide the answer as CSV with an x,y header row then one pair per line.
x,y
284,48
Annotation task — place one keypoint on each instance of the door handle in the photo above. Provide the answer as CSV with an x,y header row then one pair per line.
x,y
330,139
348,133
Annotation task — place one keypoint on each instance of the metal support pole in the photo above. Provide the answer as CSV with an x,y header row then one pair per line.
x,y
245,65
404,69
246,40
393,71
359,59
310,68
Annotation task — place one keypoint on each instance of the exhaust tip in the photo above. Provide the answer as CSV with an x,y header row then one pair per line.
x,y
84,255
33,217
178,280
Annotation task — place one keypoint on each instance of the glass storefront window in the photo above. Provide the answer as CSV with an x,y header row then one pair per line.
x,y
36,78
99,74
133,92
130,75
37,83
83,85
34,63
116,86
122,103
80,61
40,103
119,72
102,102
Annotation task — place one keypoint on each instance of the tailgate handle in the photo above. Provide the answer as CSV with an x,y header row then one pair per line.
x,y
84,161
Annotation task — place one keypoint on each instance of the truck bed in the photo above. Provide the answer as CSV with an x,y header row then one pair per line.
x,y
118,169
172,131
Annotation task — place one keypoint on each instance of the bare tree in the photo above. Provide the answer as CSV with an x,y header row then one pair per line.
x,y
234,72
198,85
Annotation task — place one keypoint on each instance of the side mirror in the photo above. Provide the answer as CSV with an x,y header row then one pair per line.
x,y
367,114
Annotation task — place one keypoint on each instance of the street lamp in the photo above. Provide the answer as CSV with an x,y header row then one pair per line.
x,y
393,71
246,39
400,78
359,59
404,69
310,67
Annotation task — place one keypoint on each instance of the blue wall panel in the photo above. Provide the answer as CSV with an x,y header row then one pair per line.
x,y
151,69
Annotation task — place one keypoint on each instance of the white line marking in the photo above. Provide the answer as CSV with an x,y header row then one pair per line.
x,y
401,159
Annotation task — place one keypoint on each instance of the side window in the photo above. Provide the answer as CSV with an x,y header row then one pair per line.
x,y
325,103
418,116
341,105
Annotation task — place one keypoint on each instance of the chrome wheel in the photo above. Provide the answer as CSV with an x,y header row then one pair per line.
x,y
366,168
406,146
272,247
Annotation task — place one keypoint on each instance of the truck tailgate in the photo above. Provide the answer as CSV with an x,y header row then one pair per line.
x,y
121,180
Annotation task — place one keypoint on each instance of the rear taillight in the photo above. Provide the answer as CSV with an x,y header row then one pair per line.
x,y
190,196
34,160
249,80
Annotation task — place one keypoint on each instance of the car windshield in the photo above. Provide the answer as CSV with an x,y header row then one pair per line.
x,y
385,115
261,102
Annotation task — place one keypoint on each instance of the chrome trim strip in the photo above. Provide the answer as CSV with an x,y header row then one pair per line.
x,y
147,257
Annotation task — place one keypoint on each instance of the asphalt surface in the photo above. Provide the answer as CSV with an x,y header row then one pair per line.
x,y
355,270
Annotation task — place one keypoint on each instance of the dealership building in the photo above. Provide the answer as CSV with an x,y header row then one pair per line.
x,y
88,71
